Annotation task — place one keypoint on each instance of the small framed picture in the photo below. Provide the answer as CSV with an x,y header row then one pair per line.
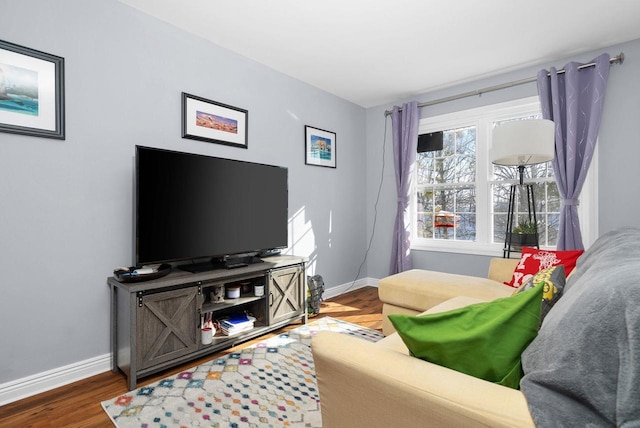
x,y
213,122
31,92
320,147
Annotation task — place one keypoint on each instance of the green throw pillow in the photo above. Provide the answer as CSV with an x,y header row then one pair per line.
x,y
553,280
484,340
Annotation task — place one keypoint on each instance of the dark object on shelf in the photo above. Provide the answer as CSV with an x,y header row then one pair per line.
x,y
134,274
524,239
216,295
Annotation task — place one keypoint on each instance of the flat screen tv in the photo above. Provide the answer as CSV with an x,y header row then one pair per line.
x,y
190,207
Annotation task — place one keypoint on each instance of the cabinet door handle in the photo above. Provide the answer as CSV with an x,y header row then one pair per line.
x,y
270,298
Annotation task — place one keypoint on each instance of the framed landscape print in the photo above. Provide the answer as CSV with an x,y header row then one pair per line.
x,y
31,92
320,147
213,122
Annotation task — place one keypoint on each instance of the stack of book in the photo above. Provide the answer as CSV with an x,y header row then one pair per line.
x,y
236,324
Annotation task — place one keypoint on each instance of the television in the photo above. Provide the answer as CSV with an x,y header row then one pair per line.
x,y
191,207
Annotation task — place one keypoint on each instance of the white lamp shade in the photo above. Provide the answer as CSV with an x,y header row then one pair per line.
x,y
523,142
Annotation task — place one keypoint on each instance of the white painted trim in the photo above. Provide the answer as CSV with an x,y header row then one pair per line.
x,y
349,286
35,384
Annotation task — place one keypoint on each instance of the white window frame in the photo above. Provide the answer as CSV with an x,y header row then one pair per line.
x,y
482,118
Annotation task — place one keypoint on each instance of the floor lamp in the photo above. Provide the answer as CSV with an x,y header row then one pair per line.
x,y
522,143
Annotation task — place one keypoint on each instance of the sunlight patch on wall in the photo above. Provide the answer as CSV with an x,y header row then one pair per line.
x,y
330,227
302,240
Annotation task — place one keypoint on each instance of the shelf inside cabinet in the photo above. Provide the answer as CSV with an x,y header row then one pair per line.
x,y
220,337
229,303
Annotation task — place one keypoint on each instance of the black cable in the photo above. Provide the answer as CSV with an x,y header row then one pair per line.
x,y
375,206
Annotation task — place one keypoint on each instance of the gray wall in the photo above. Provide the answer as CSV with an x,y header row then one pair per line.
x,y
619,151
67,205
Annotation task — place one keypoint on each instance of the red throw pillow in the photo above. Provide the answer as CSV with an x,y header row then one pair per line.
x,y
534,260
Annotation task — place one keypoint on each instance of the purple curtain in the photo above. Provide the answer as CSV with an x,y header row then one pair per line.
x,y
404,126
573,101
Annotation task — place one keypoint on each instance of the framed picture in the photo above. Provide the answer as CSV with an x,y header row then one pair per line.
x,y
320,147
213,122
31,92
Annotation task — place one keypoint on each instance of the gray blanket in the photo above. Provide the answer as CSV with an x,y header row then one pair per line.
x,y
583,369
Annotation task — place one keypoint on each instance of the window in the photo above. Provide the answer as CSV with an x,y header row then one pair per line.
x,y
446,189
460,199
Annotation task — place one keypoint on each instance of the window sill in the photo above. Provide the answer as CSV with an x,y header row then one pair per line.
x,y
491,250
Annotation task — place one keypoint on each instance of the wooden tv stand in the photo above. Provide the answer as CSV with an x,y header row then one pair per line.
x,y
155,324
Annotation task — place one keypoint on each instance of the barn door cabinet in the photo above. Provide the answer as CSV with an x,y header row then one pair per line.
x,y
155,324
287,293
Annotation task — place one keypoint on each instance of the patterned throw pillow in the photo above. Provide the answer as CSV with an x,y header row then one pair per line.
x,y
534,260
553,280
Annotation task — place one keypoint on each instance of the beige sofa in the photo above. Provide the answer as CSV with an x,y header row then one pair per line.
x,y
387,387
581,369
415,291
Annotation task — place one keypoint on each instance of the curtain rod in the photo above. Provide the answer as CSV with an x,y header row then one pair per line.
x,y
614,60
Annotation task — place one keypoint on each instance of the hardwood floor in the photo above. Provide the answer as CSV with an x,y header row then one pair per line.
x,y
78,404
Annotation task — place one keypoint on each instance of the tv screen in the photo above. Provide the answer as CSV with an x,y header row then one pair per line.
x,y
192,206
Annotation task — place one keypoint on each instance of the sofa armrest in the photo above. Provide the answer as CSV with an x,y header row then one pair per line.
x,y
501,270
364,385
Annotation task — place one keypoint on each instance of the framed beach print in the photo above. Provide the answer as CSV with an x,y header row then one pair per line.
x,y
213,122
320,147
31,92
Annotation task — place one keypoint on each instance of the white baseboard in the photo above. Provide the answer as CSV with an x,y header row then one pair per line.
x,y
45,381
349,286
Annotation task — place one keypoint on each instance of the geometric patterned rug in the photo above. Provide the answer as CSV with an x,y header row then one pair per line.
x,y
269,384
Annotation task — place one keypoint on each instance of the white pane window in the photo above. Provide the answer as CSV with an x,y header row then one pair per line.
x,y
460,199
446,195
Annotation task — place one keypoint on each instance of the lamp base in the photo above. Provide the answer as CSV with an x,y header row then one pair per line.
x,y
511,240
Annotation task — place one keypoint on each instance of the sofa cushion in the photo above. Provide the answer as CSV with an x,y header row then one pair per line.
x,y
484,340
534,260
552,280
420,290
582,369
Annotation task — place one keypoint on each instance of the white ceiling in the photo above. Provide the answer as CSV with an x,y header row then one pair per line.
x,y
373,52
